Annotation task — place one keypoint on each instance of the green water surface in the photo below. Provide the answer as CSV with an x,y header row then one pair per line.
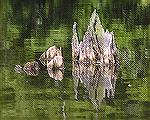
x,y
29,27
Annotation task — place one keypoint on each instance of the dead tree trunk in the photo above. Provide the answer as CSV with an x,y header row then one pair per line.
x,y
97,46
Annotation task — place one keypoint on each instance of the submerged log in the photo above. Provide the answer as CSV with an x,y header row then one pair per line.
x,y
18,69
98,46
30,68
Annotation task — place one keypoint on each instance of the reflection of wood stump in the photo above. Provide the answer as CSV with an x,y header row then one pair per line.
x,y
97,46
55,73
98,80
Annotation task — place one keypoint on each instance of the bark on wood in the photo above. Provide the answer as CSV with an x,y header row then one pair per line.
x,y
52,58
97,46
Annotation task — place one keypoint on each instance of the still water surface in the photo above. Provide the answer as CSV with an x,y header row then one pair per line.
x,y
28,28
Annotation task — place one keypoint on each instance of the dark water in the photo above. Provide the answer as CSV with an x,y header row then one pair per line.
x,y
28,28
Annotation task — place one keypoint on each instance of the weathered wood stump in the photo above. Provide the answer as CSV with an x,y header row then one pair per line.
x,y
98,46
52,58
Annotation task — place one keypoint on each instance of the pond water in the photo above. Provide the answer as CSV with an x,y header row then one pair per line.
x,y
28,28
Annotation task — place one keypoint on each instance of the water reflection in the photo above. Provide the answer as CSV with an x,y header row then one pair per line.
x,y
55,73
99,81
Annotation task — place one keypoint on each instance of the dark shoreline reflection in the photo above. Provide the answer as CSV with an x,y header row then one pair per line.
x,y
99,81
